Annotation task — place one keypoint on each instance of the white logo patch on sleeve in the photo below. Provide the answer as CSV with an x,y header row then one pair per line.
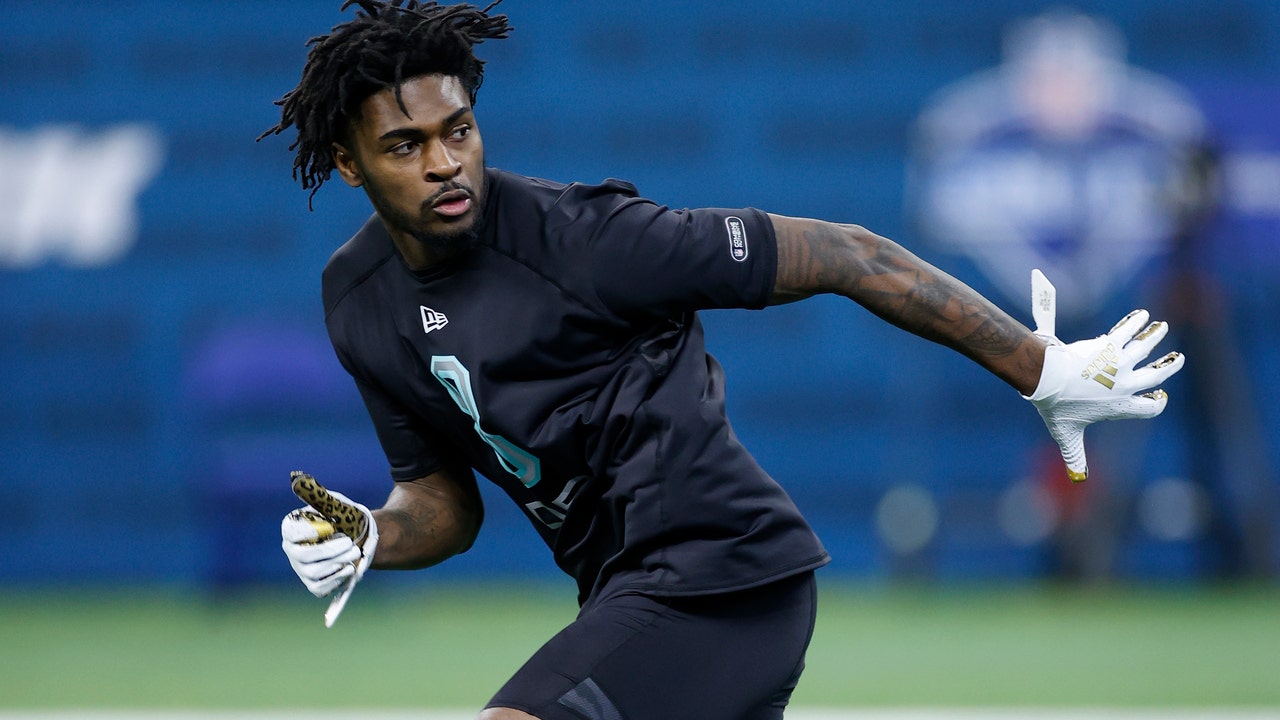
x,y
737,237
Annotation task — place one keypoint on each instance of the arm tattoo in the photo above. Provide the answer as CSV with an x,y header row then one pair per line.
x,y
882,276
423,528
415,525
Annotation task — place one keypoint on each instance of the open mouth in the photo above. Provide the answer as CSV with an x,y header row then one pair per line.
x,y
452,203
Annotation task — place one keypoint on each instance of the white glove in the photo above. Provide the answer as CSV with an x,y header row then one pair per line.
x,y
325,558
1092,380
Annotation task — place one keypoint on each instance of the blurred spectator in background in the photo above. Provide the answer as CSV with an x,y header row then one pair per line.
x,y
1229,464
1068,159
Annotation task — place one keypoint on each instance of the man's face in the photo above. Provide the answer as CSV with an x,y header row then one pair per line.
x,y
424,172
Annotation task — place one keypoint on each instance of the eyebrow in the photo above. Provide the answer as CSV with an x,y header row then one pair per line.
x,y
409,132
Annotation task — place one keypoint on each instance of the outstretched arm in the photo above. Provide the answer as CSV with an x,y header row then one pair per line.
x,y
1072,385
875,272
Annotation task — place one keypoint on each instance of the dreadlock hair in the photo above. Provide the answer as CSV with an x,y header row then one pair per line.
x,y
387,43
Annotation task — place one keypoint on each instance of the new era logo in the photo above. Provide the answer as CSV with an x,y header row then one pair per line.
x,y
432,320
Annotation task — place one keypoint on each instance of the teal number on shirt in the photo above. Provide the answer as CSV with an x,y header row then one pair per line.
x,y
457,380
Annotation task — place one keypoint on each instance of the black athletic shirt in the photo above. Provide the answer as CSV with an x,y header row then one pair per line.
x,y
563,360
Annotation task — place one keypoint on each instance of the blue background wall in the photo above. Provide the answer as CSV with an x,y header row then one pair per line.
x,y
152,407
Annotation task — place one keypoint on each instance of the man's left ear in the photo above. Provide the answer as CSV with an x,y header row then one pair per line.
x,y
346,165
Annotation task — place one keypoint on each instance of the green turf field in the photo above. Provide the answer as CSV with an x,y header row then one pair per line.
x,y
451,647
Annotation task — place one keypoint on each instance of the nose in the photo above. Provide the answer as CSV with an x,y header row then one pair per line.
x,y
440,164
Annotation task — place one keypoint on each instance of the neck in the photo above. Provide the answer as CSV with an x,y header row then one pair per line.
x,y
416,254
421,253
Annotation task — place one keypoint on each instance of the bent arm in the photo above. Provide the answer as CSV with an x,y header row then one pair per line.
x,y
820,257
428,520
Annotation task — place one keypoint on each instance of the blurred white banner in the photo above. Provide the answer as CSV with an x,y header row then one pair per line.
x,y
71,194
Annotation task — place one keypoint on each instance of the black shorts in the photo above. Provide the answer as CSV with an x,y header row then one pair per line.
x,y
731,656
